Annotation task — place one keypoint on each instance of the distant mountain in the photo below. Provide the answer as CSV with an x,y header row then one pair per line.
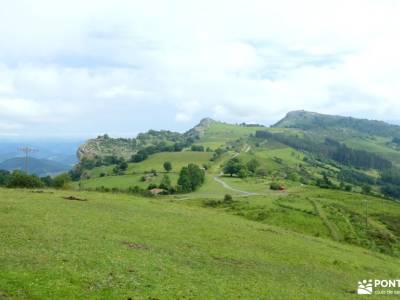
x,y
40,167
313,121
58,150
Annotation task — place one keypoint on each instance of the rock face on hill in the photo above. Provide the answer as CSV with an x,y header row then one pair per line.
x,y
104,146
199,130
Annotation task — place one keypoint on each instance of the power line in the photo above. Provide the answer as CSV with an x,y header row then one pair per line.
x,y
27,151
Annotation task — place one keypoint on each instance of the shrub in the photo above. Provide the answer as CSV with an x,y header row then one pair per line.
x,y
275,186
197,148
20,179
167,166
228,198
152,186
62,181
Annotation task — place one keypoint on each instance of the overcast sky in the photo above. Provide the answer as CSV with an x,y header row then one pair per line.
x,y
81,68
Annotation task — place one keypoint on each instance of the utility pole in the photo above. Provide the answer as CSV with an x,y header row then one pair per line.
x,y
26,151
366,215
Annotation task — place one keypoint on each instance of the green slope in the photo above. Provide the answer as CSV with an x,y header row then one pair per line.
x,y
120,247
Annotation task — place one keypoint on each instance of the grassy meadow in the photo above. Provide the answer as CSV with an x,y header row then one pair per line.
x,y
115,246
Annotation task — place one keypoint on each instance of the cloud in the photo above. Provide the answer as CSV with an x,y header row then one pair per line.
x,y
125,66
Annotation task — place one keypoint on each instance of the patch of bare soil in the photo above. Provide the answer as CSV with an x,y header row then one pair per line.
x,y
74,198
137,246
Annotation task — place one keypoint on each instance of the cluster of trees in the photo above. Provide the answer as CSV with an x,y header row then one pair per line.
x,y
218,153
390,182
197,148
121,167
19,179
355,177
330,149
144,153
396,140
190,178
236,166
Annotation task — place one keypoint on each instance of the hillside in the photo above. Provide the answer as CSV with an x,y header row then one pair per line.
x,y
121,247
40,167
211,133
313,121
312,195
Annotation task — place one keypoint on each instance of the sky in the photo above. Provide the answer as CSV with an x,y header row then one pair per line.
x,y
76,69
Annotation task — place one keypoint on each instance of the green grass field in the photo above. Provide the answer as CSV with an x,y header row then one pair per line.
x,y
218,134
116,246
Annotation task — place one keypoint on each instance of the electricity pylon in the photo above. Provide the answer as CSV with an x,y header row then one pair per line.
x,y
26,151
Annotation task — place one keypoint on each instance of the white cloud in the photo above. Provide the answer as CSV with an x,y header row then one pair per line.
x,y
126,65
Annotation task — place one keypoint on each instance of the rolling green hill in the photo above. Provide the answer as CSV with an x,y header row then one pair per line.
x,y
370,135
121,247
313,209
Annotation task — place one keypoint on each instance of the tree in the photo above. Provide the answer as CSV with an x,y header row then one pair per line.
x,y
165,183
252,165
233,166
123,165
20,179
366,189
184,181
62,181
198,148
191,178
4,177
167,166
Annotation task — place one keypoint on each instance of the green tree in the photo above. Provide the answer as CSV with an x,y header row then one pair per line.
x,y
62,181
165,183
123,165
252,165
366,189
184,180
275,186
167,166
191,178
20,179
233,166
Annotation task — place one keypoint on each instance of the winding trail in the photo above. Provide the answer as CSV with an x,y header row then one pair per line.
x,y
228,187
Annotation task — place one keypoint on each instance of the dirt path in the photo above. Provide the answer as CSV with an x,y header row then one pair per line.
x,y
228,187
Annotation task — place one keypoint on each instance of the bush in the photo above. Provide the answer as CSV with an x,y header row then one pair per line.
x,y
167,166
366,189
348,188
275,186
4,177
152,186
20,179
252,165
62,181
197,148
262,172
165,183
228,198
